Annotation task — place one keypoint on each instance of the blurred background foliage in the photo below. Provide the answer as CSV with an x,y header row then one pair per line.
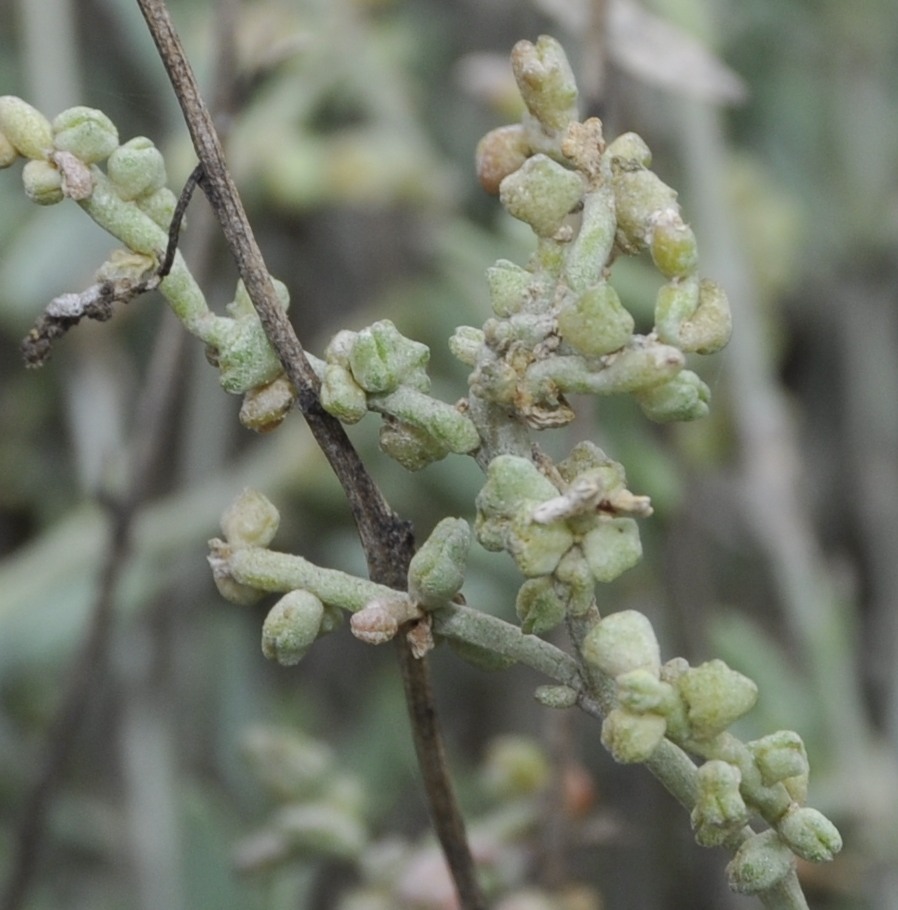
x,y
351,126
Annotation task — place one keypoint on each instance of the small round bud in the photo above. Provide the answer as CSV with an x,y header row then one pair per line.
x,y
545,81
780,756
231,590
500,153
508,284
622,642
437,570
466,343
612,547
536,548
291,626
672,243
381,357
630,151
632,738
685,397
265,407
810,834
413,447
539,606
25,128
760,863
719,810
160,206
541,193
715,697
86,132
596,322
341,395
137,168
251,520
42,182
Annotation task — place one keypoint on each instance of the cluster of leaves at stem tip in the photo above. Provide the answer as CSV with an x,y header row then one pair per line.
x,y
557,328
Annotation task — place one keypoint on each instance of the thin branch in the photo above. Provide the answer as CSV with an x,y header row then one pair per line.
x,y
387,540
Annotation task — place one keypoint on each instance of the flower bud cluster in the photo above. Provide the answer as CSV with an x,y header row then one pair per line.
x,y
379,369
559,326
565,533
693,707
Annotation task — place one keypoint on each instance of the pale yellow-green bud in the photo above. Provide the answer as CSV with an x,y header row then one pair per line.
x,y
612,547
541,193
780,756
136,168
640,691
231,590
639,193
545,81
265,407
25,128
629,150
437,570
508,284
622,642
715,697
596,322
341,395
693,315
810,834
760,863
381,357
536,548
413,447
539,606
42,182
251,520
242,304
632,738
685,397
719,810
291,626
466,343
673,246
573,571
510,480
86,132
500,153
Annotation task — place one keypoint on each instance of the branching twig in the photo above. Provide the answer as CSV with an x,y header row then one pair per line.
x,y
386,539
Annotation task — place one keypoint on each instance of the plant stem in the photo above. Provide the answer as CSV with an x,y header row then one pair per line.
x,y
387,540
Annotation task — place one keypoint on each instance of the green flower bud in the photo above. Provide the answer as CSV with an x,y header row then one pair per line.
x,y
541,193
556,696
411,446
622,642
251,520
86,132
291,626
466,344
641,691
242,304
160,206
500,153
25,128
780,756
437,570
42,182
136,168
265,407
693,316
244,356
339,348
449,427
515,766
8,153
715,697
760,863
573,571
612,547
341,395
508,284
545,81
719,810
632,738
638,194
511,480
810,834
596,322
673,246
382,358
539,606
685,397
536,548
630,151
322,828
